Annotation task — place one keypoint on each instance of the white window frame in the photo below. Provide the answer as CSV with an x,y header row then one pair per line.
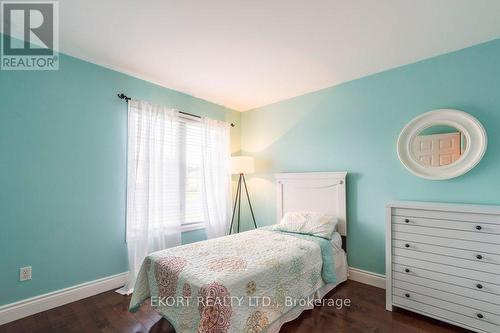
x,y
187,226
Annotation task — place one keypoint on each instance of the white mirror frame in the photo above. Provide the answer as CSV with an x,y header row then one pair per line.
x,y
470,127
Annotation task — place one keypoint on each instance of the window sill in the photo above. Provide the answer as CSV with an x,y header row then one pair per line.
x,y
193,226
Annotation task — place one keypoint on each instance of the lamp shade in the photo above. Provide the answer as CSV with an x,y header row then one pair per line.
x,y
242,164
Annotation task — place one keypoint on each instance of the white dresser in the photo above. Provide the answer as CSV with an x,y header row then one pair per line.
x,y
443,261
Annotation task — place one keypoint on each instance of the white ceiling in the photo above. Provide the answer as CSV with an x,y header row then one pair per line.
x,y
245,54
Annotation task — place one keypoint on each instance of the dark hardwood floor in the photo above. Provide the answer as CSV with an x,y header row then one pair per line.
x,y
107,312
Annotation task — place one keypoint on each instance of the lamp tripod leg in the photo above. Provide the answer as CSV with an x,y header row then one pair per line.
x,y
239,204
238,190
249,203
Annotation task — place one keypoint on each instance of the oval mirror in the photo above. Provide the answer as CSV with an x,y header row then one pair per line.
x,y
442,144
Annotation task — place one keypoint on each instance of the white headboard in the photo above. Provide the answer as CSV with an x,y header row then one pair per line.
x,y
313,191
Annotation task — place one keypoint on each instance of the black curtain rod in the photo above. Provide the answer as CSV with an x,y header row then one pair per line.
x,y
126,98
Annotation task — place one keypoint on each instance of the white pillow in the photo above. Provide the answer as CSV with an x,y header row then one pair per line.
x,y
309,223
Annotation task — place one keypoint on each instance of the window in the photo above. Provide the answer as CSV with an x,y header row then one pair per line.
x,y
190,173
184,150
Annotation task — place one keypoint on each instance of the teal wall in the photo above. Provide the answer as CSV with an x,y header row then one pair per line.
x,y
354,127
63,173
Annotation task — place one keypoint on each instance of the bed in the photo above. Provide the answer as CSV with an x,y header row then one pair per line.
x,y
256,280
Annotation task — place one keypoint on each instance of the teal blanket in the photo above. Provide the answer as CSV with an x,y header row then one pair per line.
x,y
328,269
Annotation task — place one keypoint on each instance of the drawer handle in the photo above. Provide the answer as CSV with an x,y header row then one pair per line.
x,y
478,227
479,286
407,245
479,257
407,221
480,316
407,270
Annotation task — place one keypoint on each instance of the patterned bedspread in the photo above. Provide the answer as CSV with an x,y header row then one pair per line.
x,y
237,283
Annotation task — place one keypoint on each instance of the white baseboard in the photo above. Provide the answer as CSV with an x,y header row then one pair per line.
x,y
373,279
30,306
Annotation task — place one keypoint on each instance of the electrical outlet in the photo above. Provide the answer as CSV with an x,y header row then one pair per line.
x,y
25,273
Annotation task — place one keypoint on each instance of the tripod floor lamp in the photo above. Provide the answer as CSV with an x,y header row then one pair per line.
x,y
241,165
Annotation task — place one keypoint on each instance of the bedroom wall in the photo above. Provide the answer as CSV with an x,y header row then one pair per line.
x,y
354,127
63,172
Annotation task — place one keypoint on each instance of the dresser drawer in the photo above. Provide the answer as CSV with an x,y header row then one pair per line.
x,y
476,294
476,265
489,290
469,321
447,251
448,215
448,233
452,302
448,316
450,270
448,242
478,227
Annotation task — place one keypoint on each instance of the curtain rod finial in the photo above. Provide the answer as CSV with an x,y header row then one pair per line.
x,y
123,96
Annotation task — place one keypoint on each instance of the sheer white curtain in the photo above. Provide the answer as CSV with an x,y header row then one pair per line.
x,y
153,183
216,176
